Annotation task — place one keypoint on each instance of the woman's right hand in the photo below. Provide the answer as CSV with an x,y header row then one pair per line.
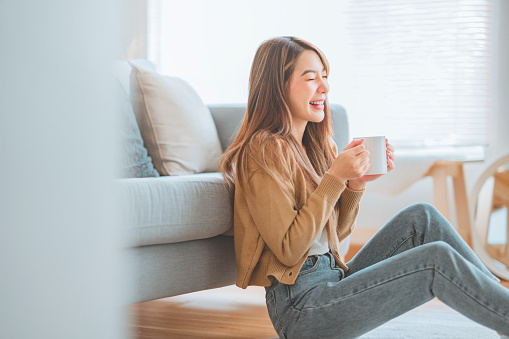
x,y
351,163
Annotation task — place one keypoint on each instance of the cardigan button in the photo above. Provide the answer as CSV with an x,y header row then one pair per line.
x,y
290,274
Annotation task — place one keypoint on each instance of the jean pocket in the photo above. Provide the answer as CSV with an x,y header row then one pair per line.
x,y
304,284
310,265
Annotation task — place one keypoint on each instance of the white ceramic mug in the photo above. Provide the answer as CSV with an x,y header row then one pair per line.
x,y
377,154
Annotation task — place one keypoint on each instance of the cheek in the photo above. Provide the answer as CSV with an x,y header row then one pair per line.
x,y
301,94
296,96
305,93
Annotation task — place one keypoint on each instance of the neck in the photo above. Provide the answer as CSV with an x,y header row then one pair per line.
x,y
298,132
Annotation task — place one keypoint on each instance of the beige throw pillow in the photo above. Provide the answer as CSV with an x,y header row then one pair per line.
x,y
177,128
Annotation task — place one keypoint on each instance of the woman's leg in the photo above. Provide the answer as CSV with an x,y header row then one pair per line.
x,y
415,225
367,299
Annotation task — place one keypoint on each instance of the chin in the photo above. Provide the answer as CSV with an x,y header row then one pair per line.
x,y
318,117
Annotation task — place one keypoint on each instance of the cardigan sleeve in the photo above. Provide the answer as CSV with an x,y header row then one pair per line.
x,y
288,232
348,205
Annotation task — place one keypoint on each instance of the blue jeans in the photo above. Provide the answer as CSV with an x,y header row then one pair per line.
x,y
415,257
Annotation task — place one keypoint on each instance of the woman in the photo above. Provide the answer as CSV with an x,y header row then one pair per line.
x,y
296,199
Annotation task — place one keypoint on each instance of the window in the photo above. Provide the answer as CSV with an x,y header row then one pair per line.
x,y
424,67
416,71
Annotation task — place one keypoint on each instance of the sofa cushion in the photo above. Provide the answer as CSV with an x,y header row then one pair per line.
x,y
122,71
133,161
177,127
173,209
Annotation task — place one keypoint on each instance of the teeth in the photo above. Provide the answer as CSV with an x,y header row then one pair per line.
x,y
316,102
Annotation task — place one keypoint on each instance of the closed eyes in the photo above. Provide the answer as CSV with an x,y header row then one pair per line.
x,y
325,77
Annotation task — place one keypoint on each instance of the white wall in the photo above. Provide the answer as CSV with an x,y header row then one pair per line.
x,y
61,273
220,38
499,142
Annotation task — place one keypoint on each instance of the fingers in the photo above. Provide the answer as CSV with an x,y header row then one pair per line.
x,y
355,142
390,165
362,164
389,146
390,155
363,160
360,149
391,158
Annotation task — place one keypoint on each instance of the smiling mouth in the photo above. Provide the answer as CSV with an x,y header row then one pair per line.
x,y
317,104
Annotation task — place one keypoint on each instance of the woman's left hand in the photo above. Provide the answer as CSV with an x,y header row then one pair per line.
x,y
360,183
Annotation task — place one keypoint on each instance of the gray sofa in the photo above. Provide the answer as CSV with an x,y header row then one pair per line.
x,y
178,229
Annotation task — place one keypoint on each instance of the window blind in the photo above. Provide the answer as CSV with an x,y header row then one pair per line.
x,y
424,67
416,71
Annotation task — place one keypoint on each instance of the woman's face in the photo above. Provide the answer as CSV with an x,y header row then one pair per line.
x,y
307,89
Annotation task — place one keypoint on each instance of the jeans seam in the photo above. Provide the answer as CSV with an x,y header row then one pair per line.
x,y
469,295
366,289
400,276
401,244
272,296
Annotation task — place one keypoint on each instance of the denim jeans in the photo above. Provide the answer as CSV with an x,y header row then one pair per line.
x,y
415,257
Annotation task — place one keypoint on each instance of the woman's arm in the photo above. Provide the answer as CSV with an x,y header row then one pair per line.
x,y
348,206
288,232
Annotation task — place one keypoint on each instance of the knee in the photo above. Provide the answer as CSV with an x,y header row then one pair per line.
x,y
424,212
423,208
438,251
421,212
441,251
440,247
425,217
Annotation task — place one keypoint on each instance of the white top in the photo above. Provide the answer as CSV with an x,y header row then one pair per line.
x,y
320,245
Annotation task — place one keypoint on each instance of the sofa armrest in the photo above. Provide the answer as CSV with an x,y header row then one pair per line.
x,y
229,117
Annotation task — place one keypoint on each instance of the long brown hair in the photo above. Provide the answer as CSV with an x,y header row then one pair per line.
x,y
268,121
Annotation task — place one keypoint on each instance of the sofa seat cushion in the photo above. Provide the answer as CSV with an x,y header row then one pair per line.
x,y
173,209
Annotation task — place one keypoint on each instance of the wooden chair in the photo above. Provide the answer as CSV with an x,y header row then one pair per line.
x,y
495,197
489,195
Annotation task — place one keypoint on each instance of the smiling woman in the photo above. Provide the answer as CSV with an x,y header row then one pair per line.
x,y
295,199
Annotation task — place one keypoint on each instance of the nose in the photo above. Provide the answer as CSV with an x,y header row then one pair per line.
x,y
324,86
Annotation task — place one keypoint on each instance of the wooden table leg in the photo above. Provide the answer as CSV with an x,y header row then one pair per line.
x,y
439,172
440,195
462,209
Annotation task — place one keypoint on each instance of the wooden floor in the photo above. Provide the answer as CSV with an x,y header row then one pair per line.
x,y
228,312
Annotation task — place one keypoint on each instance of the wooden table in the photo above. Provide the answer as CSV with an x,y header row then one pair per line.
x,y
440,170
